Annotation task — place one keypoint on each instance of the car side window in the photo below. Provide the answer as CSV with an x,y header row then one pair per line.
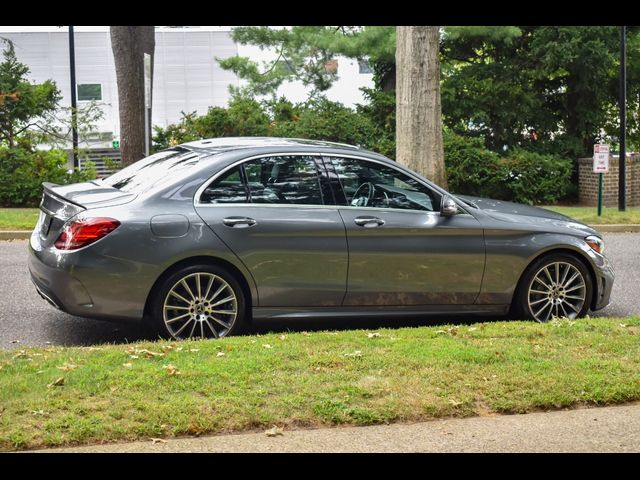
x,y
288,179
228,188
370,184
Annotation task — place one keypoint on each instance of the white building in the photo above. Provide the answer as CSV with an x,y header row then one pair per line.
x,y
187,76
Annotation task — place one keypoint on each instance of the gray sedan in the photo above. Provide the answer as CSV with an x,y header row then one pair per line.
x,y
205,237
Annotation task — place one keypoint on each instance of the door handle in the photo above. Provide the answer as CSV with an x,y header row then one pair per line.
x,y
239,222
368,222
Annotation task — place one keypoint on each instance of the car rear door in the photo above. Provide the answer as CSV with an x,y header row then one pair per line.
x,y
276,214
401,250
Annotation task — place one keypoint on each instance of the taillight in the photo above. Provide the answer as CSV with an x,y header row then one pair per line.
x,y
81,233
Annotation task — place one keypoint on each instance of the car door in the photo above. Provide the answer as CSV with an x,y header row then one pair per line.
x,y
271,212
401,250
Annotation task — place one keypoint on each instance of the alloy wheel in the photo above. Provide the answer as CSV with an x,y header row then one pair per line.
x,y
558,289
200,305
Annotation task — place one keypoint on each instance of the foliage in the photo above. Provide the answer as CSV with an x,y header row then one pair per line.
x,y
546,89
22,172
303,54
523,177
21,102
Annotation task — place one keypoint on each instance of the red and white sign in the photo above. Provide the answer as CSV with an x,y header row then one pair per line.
x,y
601,158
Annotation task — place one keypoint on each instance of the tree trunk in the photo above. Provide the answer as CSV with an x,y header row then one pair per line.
x,y
129,44
418,112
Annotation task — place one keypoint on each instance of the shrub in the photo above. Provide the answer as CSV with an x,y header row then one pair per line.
x,y
22,172
523,176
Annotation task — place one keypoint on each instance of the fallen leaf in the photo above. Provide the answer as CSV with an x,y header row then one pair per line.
x,y
166,347
472,329
356,354
15,341
134,356
455,403
306,334
66,367
220,354
179,349
39,412
373,335
47,343
58,383
127,365
283,337
266,345
194,350
274,432
623,325
158,440
21,354
171,370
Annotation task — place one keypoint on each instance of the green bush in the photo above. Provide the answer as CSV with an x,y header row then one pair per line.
x,y
22,172
523,176
537,178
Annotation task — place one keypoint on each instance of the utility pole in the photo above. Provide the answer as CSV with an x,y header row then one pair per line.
x,y
622,167
74,100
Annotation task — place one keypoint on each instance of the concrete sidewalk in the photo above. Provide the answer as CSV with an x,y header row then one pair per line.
x,y
605,429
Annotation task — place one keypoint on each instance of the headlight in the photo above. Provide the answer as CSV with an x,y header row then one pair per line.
x,y
595,243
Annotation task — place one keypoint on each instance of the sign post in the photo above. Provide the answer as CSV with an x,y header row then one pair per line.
x,y
147,102
600,166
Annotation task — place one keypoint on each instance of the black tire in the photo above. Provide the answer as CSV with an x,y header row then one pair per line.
x,y
197,312
558,299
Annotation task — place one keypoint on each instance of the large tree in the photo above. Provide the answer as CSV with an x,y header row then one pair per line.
x,y
129,44
22,103
418,116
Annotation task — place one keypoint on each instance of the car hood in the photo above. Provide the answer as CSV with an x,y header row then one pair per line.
x,y
526,214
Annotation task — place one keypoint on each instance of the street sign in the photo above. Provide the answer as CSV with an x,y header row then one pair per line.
x,y
115,144
601,158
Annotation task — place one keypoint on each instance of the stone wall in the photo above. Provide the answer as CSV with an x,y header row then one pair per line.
x,y
588,182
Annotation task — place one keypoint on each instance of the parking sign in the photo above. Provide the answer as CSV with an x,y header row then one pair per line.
x,y
601,158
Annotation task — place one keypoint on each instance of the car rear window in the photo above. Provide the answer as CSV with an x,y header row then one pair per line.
x,y
153,170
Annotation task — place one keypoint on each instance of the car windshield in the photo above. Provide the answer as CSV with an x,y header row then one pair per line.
x,y
152,171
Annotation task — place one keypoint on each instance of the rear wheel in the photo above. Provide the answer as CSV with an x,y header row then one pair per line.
x,y
199,301
556,285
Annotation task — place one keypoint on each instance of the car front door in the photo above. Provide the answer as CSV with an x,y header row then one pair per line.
x,y
274,213
401,250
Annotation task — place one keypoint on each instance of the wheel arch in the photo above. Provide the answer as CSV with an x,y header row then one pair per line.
x,y
196,260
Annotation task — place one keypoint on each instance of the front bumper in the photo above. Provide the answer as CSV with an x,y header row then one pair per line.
x,y
604,284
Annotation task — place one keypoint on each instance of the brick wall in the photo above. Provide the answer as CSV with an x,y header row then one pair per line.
x,y
588,182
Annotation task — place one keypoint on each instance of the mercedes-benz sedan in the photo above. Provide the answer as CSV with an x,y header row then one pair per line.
x,y
202,238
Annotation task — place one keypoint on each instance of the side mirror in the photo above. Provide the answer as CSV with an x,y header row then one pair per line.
x,y
448,207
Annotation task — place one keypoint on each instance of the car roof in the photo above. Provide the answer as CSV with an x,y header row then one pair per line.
x,y
226,144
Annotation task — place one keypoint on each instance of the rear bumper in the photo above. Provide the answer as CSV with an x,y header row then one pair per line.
x,y
82,283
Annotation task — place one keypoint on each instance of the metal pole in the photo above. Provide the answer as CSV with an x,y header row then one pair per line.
x,y
600,194
622,187
74,100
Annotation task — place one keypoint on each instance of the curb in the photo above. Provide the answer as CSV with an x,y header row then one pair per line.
x,y
6,235
15,235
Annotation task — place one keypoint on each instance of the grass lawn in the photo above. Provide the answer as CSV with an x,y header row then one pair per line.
x,y
589,215
57,395
18,218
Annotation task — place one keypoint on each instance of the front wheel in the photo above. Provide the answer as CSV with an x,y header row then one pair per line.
x,y
555,285
200,301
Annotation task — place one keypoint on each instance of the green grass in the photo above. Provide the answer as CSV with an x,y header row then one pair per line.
x,y
120,392
18,218
589,215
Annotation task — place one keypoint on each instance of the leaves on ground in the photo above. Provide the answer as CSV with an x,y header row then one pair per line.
x,y
57,383
373,335
67,367
158,440
274,432
171,370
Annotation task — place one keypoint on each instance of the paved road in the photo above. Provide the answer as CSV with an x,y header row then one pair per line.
x,y
607,429
26,319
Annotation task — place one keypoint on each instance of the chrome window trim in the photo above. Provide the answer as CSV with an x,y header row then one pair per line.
x,y
214,177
